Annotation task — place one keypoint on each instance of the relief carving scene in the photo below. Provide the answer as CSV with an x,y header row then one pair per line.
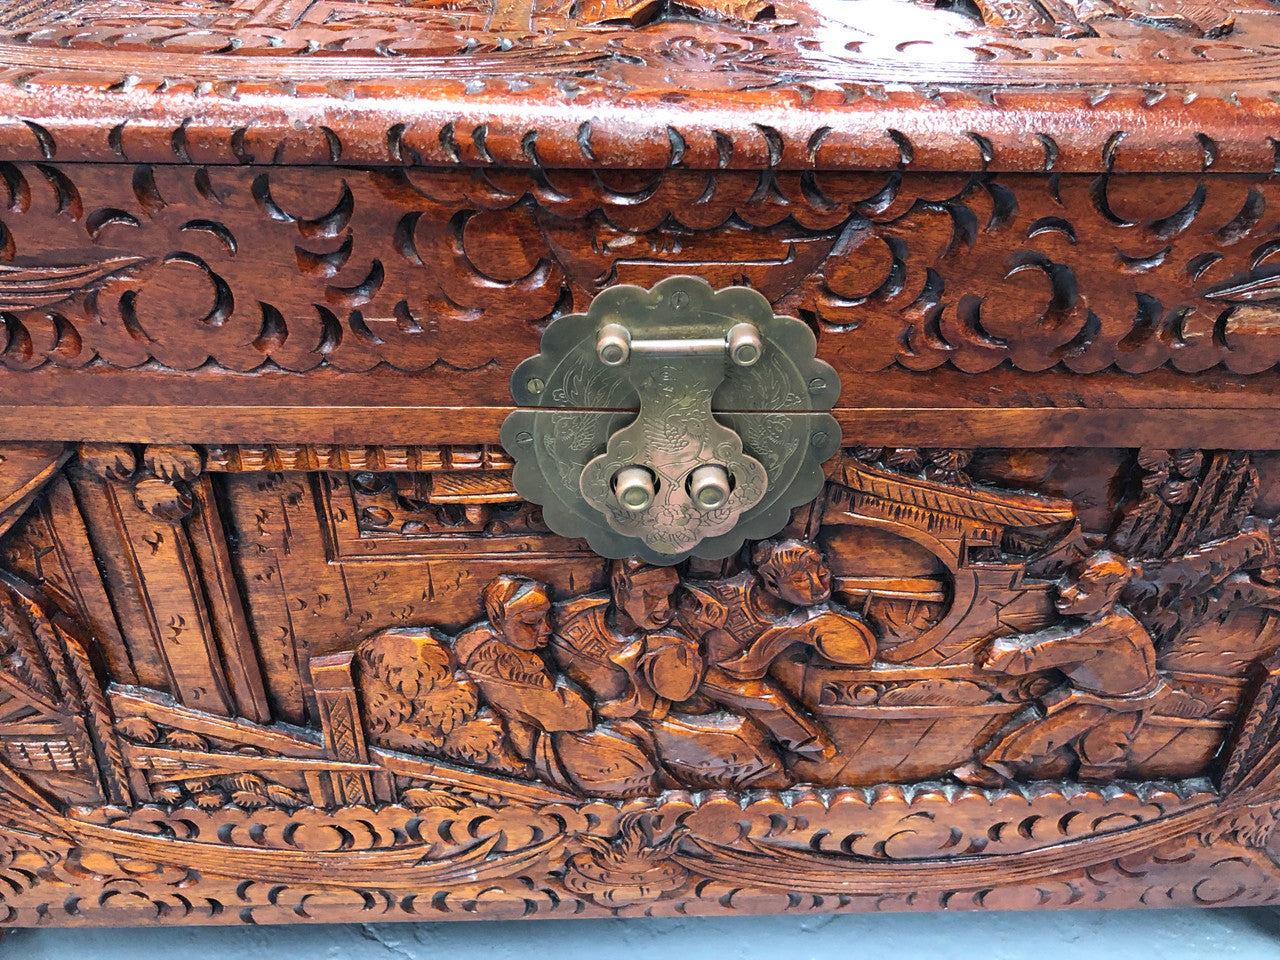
x,y
231,661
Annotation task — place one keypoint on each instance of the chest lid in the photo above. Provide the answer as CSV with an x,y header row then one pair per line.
x,y
1016,223
794,84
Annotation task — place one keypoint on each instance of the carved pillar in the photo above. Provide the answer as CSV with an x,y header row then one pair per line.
x,y
208,539
344,736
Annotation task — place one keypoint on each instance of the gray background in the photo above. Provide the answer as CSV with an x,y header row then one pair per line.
x,y
1245,934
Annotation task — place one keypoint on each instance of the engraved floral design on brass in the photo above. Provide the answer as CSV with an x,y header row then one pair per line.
x,y
672,422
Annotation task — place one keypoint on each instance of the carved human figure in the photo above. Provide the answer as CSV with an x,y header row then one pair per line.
x,y
748,621
785,601
1107,663
1143,523
636,663
622,648
704,615
551,725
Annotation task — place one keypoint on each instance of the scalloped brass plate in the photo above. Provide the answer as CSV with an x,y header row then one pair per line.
x,y
672,422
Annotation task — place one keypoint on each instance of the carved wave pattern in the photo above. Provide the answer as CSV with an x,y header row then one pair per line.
x,y
681,856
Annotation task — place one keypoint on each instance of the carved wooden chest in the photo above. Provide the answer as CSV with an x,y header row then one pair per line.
x,y
555,458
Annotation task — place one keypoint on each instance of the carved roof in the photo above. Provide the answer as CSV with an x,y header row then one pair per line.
x,y
985,505
920,84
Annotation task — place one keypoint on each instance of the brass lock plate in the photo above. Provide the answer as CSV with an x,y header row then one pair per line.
x,y
672,422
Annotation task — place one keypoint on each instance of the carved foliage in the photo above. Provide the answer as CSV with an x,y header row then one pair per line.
x,y
634,42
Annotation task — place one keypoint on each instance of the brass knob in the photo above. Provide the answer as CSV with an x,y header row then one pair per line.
x,y
634,488
709,486
744,344
613,346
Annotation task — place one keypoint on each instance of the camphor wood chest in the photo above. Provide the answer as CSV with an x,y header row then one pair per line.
x,y
882,515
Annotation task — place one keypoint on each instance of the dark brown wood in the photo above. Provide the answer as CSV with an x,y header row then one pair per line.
x,y
1089,280
279,639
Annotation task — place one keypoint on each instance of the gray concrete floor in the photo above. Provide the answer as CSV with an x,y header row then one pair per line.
x,y
1245,934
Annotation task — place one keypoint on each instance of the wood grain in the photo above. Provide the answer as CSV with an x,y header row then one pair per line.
x,y
706,84
280,641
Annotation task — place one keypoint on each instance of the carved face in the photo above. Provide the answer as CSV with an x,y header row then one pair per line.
x,y
1094,589
798,576
526,620
646,595
699,611
1155,468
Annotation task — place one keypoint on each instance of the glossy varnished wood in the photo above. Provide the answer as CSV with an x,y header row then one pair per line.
x,y
702,84
280,641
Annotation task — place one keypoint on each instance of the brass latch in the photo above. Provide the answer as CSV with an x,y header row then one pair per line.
x,y
672,422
